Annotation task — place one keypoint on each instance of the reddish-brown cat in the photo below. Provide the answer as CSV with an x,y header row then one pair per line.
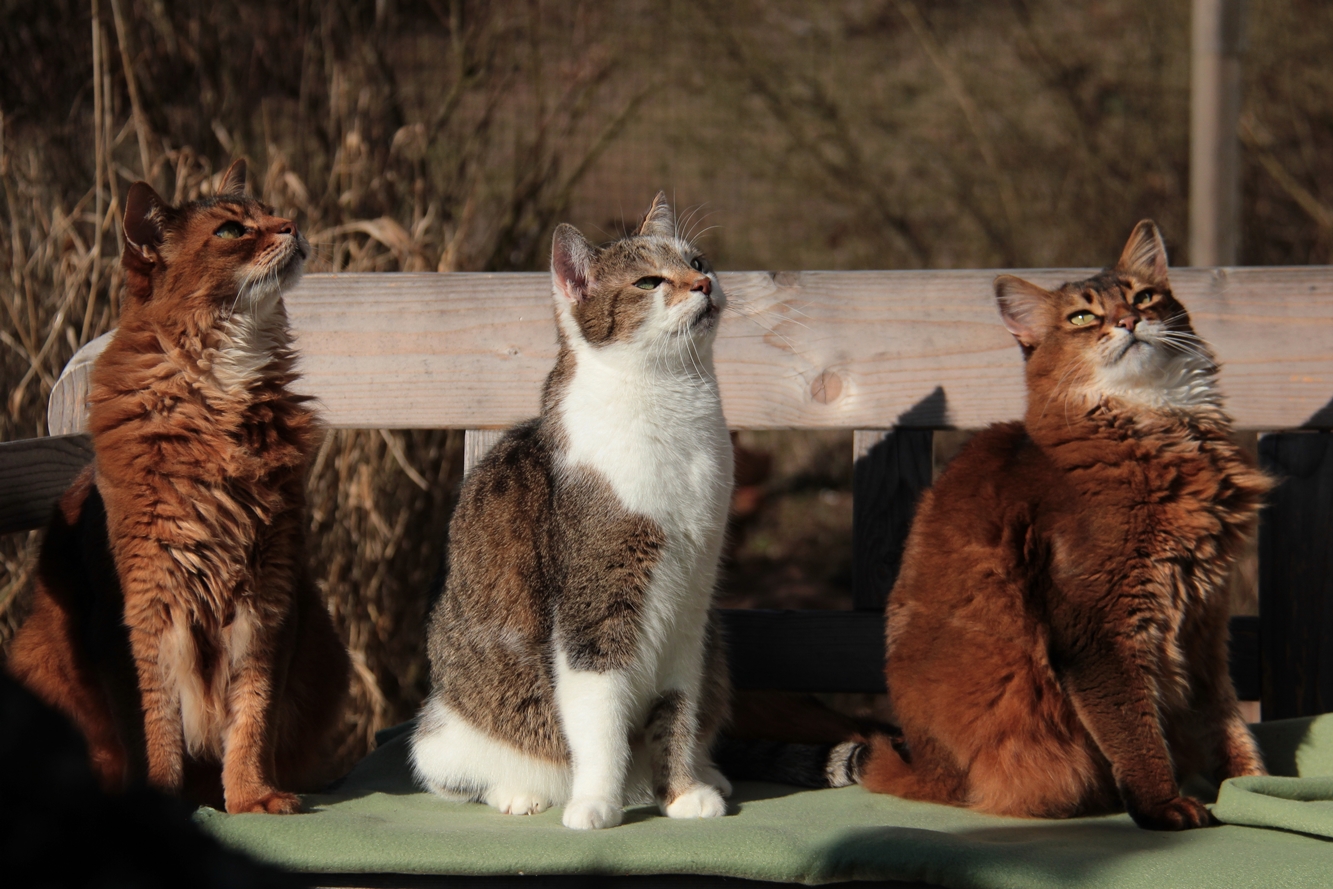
x,y
174,619
1057,636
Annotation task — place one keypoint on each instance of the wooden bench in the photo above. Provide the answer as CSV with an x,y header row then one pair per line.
x,y
891,355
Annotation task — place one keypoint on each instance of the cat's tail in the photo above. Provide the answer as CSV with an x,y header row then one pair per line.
x,y
803,765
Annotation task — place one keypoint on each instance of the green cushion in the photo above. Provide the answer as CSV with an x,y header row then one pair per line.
x,y
378,822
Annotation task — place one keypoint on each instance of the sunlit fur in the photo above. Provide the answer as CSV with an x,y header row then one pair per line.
x,y
571,651
231,661
1057,632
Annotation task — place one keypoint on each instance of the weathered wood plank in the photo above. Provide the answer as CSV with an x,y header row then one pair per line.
x,y
798,350
890,471
1296,576
844,651
33,474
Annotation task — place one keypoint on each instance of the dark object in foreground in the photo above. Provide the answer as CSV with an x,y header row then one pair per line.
x,y
57,827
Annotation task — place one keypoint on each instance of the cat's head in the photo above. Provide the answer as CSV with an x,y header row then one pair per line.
x,y
1120,333
223,254
651,290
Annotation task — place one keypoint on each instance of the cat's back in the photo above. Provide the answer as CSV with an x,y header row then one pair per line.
x,y
505,500
499,564
998,475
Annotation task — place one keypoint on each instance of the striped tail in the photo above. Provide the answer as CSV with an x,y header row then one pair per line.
x,y
803,765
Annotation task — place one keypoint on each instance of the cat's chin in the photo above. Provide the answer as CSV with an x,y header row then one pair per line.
x,y
705,321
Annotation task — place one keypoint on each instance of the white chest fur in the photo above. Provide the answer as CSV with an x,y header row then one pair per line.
x,y
657,435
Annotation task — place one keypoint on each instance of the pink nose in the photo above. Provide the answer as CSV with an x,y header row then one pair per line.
x,y
704,284
1128,322
287,228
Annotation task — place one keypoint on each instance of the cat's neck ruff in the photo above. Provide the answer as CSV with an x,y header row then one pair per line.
x,y
1184,384
250,336
653,429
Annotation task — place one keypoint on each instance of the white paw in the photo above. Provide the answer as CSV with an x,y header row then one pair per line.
x,y
591,814
710,775
517,803
700,801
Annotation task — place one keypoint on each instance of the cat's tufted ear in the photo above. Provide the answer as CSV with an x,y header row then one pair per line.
x,y
145,220
1023,307
233,181
571,263
1144,255
659,221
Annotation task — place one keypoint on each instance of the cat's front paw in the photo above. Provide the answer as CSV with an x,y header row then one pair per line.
x,y
709,774
517,803
1180,813
591,814
700,801
275,802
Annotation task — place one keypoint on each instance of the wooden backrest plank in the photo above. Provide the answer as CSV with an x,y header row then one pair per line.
x,y
798,350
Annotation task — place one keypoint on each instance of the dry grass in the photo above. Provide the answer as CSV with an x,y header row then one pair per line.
x,y
451,135
468,168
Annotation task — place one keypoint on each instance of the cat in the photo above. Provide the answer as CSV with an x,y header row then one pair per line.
x,y
1057,636
174,619
573,656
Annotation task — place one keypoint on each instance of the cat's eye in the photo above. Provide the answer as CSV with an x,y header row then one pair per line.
x,y
651,282
1082,319
697,264
1142,298
230,230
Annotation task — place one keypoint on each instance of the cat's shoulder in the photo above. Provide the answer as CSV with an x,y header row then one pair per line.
x,y
990,451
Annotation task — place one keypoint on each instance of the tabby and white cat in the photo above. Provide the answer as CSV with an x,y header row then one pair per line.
x,y
572,653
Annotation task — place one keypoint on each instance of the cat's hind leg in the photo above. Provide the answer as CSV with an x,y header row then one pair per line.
x,y
680,777
45,659
459,762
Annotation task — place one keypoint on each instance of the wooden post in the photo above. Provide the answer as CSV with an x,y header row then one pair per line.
x,y
1214,142
476,444
1296,576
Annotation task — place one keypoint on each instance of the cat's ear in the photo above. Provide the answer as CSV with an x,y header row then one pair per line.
x,y
145,220
571,262
1144,255
659,221
233,181
1023,309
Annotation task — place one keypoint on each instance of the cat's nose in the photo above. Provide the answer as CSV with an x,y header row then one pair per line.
x,y
704,284
287,228
1128,322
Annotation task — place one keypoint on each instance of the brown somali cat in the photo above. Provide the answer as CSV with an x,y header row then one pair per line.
x,y
174,619
1057,636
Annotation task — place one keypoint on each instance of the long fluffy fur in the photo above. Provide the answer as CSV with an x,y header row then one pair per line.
x,y
189,530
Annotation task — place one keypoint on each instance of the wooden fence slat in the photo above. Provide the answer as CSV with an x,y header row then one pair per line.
x,y
890,471
1296,576
476,444
798,350
34,473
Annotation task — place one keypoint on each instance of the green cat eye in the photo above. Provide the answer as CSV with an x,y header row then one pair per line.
x,y
1142,298
697,263
651,282
230,230
1082,319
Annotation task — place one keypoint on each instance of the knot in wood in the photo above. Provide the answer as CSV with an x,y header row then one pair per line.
x,y
826,388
